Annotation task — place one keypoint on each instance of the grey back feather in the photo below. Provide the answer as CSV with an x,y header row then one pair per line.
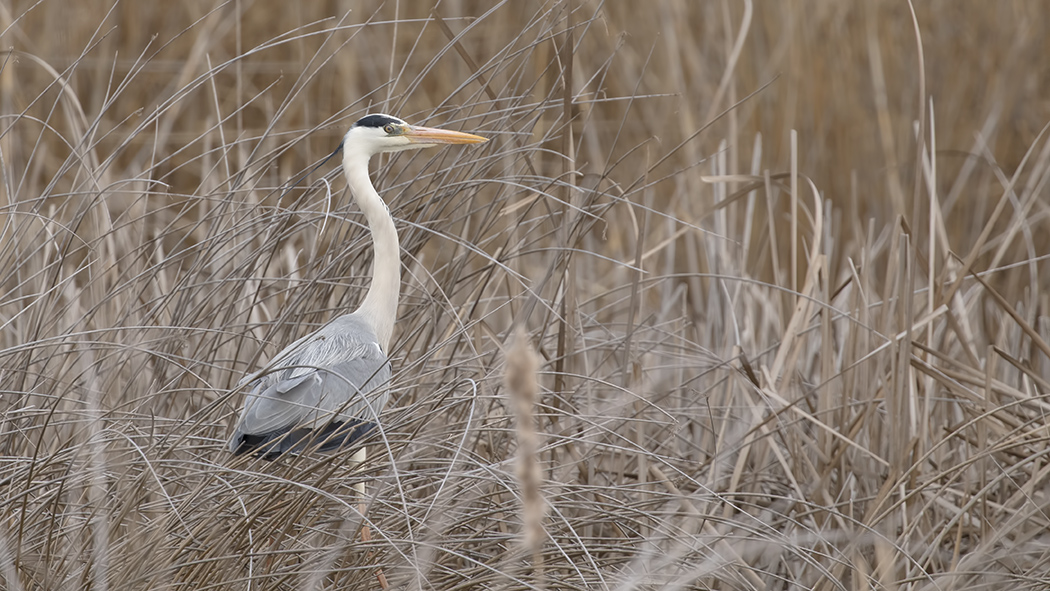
x,y
337,373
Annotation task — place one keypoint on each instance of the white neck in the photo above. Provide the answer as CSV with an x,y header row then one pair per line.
x,y
379,307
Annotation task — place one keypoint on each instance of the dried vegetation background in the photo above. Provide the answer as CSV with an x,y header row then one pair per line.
x,y
781,268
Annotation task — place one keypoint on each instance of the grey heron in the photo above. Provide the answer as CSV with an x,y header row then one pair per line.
x,y
325,390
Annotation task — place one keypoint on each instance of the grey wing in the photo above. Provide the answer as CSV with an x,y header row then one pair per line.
x,y
338,373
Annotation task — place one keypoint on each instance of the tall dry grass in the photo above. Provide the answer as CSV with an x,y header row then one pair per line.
x,y
784,266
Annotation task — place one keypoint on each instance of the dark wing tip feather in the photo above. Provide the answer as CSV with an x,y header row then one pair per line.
x,y
269,446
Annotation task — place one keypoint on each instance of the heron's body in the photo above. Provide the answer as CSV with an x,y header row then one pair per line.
x,y
326,389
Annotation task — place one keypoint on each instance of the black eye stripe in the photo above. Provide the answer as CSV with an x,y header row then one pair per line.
x,y
377,121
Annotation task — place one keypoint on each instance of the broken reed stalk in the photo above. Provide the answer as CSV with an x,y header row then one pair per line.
x,y
522,388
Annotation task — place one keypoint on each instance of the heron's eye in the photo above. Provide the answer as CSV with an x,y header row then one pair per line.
x,y
389,129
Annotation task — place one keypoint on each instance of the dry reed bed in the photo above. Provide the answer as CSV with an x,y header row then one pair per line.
x,y
753,373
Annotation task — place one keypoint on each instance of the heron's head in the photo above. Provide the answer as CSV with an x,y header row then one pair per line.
x,y
374,134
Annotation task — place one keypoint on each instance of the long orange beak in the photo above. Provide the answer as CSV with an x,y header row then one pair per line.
x,y
433,135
